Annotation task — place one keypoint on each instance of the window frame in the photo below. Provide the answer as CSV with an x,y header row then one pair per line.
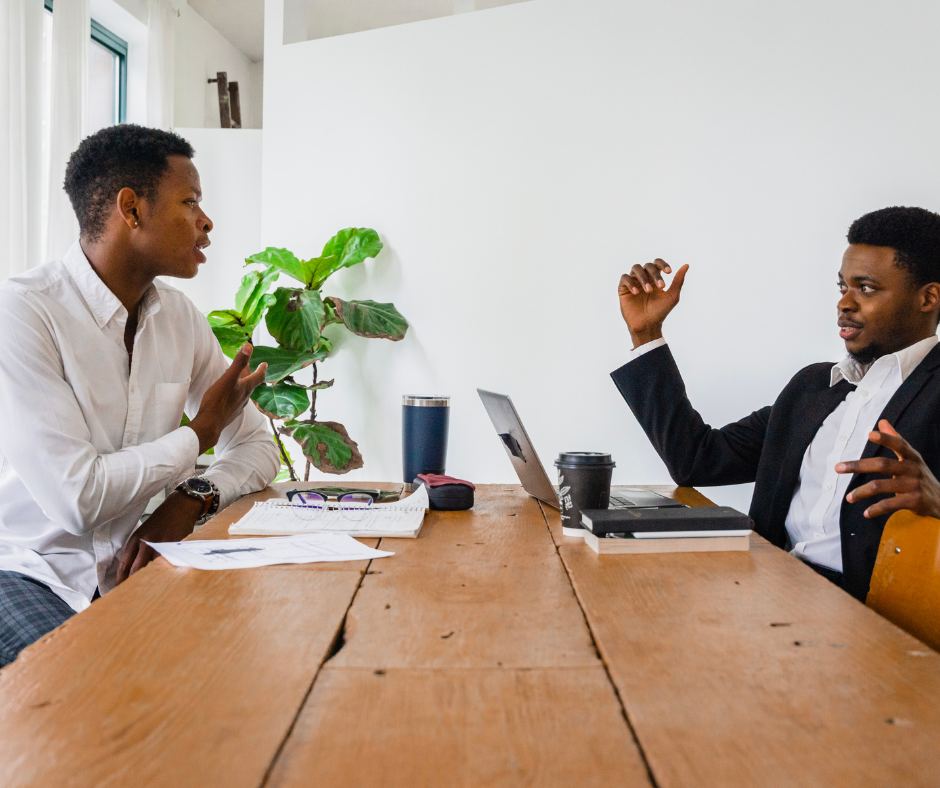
x,y
118,47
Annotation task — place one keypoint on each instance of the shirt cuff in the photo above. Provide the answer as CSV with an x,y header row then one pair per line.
x,y
226,484
643,349
183,444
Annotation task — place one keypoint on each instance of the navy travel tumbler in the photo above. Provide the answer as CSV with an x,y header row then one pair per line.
x,y
424,422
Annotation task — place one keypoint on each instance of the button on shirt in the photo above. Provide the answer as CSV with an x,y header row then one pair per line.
x,y
86,437
813,518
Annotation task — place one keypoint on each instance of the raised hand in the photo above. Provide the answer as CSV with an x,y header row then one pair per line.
x,y
912,482
645,301
226,398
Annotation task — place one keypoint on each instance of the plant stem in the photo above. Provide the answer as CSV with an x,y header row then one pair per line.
x,y
313,403
313,416
280,446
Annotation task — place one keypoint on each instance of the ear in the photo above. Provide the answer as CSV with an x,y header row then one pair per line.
x,y
930,297
129,208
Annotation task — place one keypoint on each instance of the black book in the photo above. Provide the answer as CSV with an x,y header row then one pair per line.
x,y
601,522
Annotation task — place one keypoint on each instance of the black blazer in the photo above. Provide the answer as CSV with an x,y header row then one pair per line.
x,y
767,447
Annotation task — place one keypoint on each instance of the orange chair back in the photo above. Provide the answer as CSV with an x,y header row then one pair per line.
x,y
905,586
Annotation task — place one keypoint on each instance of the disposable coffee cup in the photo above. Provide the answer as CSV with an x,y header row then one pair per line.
x,y
424,425
583,483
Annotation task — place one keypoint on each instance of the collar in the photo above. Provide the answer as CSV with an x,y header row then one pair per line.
x,y
907,360
102,303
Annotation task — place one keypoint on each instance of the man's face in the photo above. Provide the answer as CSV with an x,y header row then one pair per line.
x,y
880,308
175,227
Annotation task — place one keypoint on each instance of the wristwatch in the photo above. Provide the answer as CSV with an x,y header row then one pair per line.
x,y
202,490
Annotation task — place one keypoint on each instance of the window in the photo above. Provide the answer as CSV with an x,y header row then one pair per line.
x,y
107,74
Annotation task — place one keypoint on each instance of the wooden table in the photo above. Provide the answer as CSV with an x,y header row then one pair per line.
x,y
491,651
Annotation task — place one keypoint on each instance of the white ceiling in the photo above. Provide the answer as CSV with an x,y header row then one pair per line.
x,y
240,21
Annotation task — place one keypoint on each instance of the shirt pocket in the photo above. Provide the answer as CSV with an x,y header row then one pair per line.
x,y
171,400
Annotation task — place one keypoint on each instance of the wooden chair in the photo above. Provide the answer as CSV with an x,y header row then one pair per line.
x,y
905,586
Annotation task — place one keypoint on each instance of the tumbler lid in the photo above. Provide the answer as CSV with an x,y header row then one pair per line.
x,y
425,401
584,458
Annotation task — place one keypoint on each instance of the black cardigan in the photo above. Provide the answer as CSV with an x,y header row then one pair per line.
x,y
767,447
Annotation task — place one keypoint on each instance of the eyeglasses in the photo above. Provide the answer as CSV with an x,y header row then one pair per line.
x,y
311,505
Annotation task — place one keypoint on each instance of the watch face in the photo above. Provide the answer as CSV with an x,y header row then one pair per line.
x,y
199,486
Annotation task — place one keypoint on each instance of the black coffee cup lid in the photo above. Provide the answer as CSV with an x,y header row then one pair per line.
x,y
583,458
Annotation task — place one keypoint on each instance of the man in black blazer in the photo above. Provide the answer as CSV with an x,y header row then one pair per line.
x,y
825,482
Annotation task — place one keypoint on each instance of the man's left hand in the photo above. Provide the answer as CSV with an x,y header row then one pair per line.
x,y
912,482
173,520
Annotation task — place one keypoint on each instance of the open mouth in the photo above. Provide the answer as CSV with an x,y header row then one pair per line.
x,y
849,330
198,247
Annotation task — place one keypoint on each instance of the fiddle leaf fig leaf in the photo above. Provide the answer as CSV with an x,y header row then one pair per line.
x,y
250,298
370,319
281,400
328,446
225,318
230,338
282,361
281,259
295,318
323,384
347,248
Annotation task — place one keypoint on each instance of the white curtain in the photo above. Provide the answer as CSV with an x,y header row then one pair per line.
x,y
71,34
20,128
161,42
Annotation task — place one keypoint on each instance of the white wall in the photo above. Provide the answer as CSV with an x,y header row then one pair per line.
x,y
201,51
229,164
516,162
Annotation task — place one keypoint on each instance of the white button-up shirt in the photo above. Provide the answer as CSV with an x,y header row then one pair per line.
x,y
813,518
86,438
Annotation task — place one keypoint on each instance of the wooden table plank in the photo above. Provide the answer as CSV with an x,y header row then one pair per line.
x,y
413,728
750,669
178,677
482,588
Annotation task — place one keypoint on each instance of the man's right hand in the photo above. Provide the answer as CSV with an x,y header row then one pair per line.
x,y
226,398
645,301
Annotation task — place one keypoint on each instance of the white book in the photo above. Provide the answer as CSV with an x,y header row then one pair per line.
x,y
401,519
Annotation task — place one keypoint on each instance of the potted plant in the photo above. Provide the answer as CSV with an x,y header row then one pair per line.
x,y
296,317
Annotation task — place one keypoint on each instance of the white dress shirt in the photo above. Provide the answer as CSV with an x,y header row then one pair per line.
x,y
86,438
813,518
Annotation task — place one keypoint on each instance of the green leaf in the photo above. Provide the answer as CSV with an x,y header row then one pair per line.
x,y
372,320
281,400
347,248
296,318
250,299
328,446
282,361
231,339
225,318
280,259
323,384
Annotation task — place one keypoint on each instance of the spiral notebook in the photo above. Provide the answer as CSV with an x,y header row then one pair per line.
x,y
401,519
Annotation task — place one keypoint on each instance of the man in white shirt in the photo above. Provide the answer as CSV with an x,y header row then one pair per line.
x,y
828,445
99,362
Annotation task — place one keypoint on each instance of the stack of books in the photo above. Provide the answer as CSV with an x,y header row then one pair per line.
x,y
666,530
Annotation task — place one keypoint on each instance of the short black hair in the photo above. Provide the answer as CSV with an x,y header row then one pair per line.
x,y
114,158
913,233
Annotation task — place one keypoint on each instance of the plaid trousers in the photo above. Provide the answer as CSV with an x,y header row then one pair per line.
x,y
28,610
